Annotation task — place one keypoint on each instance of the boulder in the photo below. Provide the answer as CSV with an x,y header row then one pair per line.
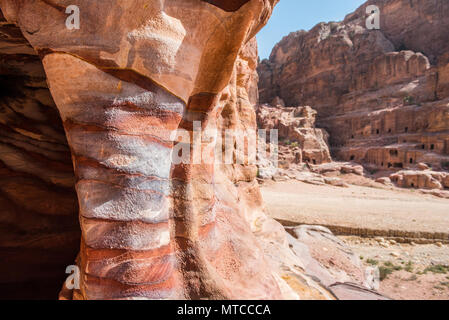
x,y
329,259
385,181
423,166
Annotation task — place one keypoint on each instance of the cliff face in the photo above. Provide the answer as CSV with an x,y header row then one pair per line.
x,y
150,226
299,140
381,94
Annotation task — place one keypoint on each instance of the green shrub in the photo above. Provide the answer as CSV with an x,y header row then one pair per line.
x,y
409,100
445,165
384,272
372,262
390,265
409,267
439,268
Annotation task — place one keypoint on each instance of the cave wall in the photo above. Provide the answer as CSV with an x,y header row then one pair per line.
x,y
150,228
39,229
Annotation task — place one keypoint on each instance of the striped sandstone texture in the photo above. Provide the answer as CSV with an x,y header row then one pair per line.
x,y
151,227
133,72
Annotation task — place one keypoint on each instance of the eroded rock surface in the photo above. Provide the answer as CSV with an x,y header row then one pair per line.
x,y
381,94
151,227
296,130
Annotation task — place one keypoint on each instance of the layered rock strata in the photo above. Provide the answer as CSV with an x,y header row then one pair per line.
x,y
152,226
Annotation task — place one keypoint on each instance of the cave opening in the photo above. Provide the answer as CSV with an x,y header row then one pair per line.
x,y
394,153
38,249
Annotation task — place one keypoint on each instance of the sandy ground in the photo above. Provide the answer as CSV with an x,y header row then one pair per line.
x,y
410,271
357,207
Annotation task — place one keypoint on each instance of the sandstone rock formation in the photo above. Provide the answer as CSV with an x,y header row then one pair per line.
x,y
302,152
328,258
296,128
381,94
421,179
151,227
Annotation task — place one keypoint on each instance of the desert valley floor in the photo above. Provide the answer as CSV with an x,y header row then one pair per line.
x,y
385,227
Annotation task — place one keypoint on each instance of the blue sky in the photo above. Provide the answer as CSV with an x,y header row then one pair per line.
x,y
293,15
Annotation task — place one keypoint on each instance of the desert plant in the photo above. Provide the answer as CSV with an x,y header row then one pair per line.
x,y
438,269
372,262
384,272
408,100
389,264
409,267
445,165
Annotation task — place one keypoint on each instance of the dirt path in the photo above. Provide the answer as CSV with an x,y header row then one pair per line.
x,y
359,208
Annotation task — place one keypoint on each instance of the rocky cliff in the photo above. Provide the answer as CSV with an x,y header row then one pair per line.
x,y
150,226
381,94
299,140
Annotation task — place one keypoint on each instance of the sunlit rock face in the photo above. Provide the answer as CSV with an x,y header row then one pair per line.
x,y
297,126
134,71
381,94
